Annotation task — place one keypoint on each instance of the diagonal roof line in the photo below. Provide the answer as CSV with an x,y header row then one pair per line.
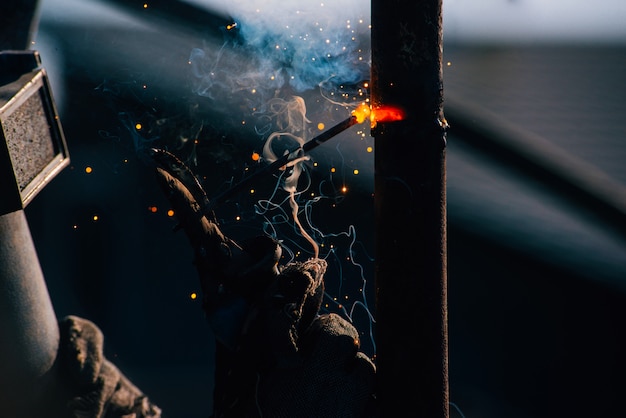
x,y
569,177
184,16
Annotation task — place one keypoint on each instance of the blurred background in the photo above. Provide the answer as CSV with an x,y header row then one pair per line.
x,y
535,183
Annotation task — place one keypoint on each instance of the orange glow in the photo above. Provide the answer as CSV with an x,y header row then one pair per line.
x,y
362,112
387,114
193,295
255,156
378,114
170,213
152,209
88,170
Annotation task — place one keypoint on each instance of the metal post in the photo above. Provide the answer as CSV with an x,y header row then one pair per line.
x,y
32,151
29,334
410,199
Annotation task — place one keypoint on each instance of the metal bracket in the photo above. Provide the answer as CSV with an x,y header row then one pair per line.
x,y
32,145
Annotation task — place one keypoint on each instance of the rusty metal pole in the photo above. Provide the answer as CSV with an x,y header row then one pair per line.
x,y
410,200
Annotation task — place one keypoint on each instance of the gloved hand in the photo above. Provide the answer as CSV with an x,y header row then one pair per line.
x,y
88,385
276,356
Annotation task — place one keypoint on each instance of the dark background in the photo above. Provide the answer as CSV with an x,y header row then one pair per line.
x,y
536,272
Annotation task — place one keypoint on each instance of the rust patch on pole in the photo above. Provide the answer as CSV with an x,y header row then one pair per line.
x,y
410,199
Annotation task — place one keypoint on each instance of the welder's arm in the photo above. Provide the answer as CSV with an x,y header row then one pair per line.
x,y
276,356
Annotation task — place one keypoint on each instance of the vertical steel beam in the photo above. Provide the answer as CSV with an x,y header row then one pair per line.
x,y
410,200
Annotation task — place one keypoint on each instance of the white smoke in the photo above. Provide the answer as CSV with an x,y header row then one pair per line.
x,y
301,45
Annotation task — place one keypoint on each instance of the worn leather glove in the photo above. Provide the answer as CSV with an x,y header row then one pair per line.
x,y
275,356
91,386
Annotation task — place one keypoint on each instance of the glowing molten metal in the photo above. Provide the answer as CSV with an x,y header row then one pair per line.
x,y
378,114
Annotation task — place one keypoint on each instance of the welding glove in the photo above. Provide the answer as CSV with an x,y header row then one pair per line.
x,y
275,355
89,385
230,273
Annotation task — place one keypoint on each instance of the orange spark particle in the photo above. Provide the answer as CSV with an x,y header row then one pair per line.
x,y
170,213
193,295
88,170
138,126
95,218
255,156
320,126
153,209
